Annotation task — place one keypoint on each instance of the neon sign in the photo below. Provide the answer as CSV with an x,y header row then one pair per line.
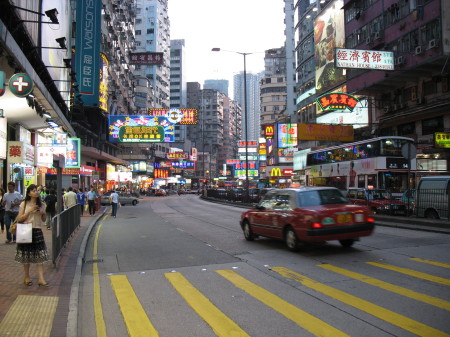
x,y
337,101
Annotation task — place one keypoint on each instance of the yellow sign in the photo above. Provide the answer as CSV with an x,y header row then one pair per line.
x,y
275,172
442,140
329,132
28,180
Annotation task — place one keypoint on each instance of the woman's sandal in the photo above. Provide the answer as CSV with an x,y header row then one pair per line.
x,y
43,284
28,283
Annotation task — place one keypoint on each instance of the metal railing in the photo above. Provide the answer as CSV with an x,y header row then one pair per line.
x,y
63,226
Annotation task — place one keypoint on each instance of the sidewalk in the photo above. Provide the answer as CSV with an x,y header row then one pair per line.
x,y
60,278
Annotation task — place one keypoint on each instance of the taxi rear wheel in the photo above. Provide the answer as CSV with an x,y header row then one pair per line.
x,y
248,233
134,203
347,243
291,240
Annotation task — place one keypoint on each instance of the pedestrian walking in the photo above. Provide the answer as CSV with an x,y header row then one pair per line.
x,y
70,198
91,197
50,210
11,201
81,199
2,210
33,210
114,199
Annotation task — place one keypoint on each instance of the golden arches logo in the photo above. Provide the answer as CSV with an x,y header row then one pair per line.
x,y
275,172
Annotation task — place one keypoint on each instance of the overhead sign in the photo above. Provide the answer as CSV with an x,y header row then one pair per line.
x,y
364,59
177,155
442,140
287,135
141,129
20,84
2,83
73,156
188,116
337,101
328,132
148,58
20,153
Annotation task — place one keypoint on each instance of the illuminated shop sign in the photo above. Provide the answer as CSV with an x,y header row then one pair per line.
x,y
364,59
269,131
287,135
177,155
242,174
183,165
250,143
187,116
141,129
442,140
326,132
337,101
103,89
73,155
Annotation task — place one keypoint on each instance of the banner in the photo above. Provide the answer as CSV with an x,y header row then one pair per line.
x,y
338,133
87,49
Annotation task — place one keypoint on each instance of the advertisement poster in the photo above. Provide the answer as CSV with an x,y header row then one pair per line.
x,y
329,33
287,135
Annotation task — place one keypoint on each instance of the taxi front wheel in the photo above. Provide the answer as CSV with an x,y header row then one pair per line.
x,y
248,233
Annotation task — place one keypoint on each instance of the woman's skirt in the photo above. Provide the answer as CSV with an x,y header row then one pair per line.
x,y
35,252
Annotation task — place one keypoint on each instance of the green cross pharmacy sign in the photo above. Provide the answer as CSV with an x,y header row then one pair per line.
x,y
20,84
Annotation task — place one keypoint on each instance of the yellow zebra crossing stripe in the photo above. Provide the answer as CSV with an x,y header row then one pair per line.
x,y
300,317
217,320
136,320
389,287
413,273
435,263
366,306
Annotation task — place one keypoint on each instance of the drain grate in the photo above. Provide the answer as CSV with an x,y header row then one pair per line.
x,y
93,261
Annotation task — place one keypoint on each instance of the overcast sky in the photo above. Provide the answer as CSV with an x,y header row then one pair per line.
x,y
247,26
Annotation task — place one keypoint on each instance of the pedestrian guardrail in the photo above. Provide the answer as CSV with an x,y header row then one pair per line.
x,y
64,225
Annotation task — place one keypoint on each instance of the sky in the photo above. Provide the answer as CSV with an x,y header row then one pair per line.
x,y
245,26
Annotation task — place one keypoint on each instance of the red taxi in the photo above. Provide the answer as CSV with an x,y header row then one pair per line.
x,y
307,214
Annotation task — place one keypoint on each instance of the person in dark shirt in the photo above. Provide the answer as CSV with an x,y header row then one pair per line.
x,y
50,200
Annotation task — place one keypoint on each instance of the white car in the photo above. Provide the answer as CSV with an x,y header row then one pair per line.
x,y
124,199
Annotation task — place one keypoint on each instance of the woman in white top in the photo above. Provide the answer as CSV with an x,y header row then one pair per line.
x,y
32,210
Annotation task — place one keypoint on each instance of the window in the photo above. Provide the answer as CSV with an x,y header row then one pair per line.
x,y
150,31
137,32
430,126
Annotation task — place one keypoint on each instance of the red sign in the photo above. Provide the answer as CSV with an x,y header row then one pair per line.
x,y
249,143
288,172
269,131
146,58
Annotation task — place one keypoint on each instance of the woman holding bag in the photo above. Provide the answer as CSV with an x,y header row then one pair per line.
x,y
32,210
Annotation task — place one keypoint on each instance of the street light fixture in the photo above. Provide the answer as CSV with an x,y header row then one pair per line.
x,y
247,184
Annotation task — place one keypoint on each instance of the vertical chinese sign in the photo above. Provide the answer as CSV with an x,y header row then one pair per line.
x,y
87,49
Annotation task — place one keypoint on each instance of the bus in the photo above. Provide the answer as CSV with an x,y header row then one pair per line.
x,y
372,163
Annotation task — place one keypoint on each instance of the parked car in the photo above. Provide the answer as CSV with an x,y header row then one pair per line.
x,y
380,201
433,197
160,192
307,214
124,199
409,198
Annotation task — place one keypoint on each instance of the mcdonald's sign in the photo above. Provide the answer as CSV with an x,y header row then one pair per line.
x,y
275,172
269,131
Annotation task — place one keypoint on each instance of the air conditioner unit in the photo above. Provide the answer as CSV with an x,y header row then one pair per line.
x,y
377,36
432,44
368,40
400,60
418,50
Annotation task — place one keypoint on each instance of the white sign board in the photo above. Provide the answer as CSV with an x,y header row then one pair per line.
x,y
364,59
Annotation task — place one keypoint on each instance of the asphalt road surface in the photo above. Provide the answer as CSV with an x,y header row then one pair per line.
x,y
179,266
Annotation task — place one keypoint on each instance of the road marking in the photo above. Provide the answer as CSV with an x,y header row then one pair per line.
x,y
366,306
135,317
98,310
437,302
221,324
411,272
30,316
439,264
302,318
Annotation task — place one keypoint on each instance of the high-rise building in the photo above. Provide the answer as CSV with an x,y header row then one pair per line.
x,y
152,33
219,85
252,116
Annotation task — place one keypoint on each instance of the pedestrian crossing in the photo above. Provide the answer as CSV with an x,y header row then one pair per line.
x,y
347,310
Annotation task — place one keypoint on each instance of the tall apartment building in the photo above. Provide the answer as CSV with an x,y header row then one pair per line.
x,y
219,85
232,131
253,113
178,83
291,78
152,33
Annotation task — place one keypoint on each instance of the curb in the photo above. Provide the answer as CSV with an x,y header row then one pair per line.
x,y
72,318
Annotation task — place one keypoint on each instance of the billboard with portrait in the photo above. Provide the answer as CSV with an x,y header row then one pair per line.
x,y
329,33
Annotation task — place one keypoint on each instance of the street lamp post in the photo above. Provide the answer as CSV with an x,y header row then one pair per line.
x,y
247,184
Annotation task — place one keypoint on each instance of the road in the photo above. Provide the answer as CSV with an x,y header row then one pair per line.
x,y
179,266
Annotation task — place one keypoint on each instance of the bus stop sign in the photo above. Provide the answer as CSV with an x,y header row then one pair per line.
x,y
409,151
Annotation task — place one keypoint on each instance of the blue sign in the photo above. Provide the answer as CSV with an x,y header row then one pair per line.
x,y
87,50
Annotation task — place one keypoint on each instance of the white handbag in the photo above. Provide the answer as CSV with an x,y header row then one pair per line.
x,y
24,233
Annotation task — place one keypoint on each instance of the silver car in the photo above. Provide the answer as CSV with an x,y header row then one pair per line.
x,y
124,199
